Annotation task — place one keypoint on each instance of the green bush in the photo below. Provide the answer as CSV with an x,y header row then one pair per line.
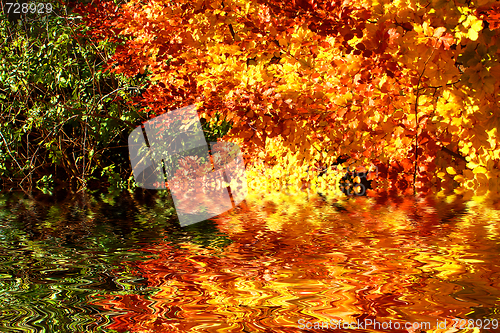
x,y
61,113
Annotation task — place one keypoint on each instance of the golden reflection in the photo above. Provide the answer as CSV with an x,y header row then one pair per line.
x,y
407,261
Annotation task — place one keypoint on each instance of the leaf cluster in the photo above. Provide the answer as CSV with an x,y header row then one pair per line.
x,y
410,86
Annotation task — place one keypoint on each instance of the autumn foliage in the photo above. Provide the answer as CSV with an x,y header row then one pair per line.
x,y
411,87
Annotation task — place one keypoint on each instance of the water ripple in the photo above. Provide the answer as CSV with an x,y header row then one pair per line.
x,y
253,270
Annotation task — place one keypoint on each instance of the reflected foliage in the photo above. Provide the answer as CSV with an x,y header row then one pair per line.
x,y
262,267
57,260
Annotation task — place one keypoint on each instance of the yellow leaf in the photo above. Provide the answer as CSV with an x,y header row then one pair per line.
x,y
451,170
477,25
472,34
456,121
479,169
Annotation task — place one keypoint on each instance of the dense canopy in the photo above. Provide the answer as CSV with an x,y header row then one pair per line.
x,y
411,87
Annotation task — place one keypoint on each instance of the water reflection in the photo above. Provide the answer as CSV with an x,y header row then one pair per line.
x,y
127,266
56,260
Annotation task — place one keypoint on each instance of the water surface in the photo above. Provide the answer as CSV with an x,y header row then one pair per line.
x,y
123,264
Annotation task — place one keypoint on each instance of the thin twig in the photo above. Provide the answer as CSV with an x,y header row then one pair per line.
x,y
416,122
10,153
